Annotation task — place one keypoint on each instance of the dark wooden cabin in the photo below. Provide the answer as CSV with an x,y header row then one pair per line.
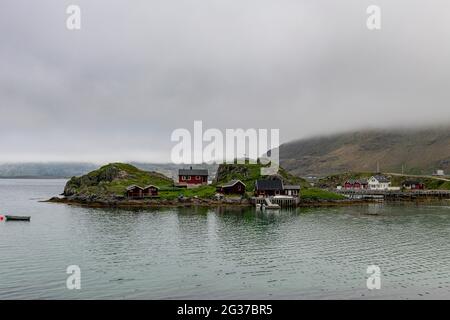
x,y
150,191
268,187
232,187
134,192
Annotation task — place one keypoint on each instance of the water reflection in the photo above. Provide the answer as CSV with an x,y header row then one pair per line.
x,y
222,252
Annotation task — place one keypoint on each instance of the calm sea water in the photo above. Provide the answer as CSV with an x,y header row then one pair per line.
x,y
224,254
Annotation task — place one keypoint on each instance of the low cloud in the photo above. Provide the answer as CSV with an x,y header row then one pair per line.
x,y
117,88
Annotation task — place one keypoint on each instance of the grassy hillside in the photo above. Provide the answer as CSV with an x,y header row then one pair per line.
x,y
249,173
418,151
320,194
113,179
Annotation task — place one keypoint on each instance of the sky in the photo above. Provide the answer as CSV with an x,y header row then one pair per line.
x,y
116,89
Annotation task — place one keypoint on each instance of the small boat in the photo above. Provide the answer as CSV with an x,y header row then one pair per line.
x,y
17,218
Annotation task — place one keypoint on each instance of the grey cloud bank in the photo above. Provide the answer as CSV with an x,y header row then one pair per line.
x,y
117,88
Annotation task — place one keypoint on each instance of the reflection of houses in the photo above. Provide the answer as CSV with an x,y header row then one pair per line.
x,y
192,176
379,182
275,187
356,184
413,185
137,192
232,187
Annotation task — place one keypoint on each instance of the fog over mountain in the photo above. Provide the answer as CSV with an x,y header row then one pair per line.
x,y
408,151
116,89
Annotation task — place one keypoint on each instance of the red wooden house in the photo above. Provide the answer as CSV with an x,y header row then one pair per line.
x,y
356,184
193,176
413,185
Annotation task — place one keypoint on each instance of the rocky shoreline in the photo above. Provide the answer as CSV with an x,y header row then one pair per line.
x,y
192,202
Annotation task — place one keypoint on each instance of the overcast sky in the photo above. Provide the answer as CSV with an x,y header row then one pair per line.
x,y
116,89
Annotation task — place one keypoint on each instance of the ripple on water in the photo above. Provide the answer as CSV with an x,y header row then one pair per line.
x,y
207,253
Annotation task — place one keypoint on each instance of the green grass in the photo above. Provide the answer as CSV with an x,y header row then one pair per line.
x,y
249,173
319,194
204,192
114,178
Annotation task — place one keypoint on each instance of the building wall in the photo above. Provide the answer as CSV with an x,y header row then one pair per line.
x,y
356,185
379,185
193,179
418,186
150,192
135,193
268,192
293,193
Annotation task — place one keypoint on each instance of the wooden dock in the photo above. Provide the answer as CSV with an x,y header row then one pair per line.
x,y
395,194
283,202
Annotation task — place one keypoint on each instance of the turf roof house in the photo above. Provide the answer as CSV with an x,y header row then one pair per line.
x,y
232,187
192,176
137,192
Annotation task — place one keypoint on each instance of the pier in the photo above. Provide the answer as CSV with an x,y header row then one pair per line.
x,y
282,201
395,194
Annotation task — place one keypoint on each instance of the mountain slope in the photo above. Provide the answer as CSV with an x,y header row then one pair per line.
x,y
418,151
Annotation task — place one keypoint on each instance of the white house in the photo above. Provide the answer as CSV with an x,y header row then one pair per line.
x,y
379,183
